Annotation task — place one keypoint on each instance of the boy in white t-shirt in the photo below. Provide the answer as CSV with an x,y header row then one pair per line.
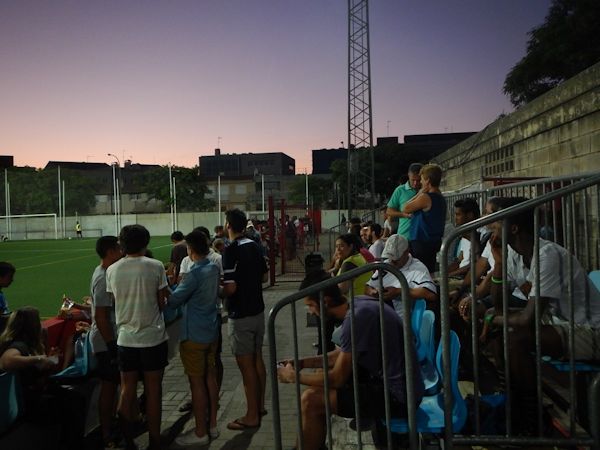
x,y
139,287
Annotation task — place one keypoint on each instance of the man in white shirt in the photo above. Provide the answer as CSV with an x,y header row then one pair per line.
x,y
554,303
376,247
139,287
417,275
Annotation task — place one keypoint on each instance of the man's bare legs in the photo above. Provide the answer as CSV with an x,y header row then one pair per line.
x,y
251,380
313,416
212,386
199,403
126,408
261,372
106,407
153,390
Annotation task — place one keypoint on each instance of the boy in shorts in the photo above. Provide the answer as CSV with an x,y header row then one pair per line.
x,y
197,292
103,334
139,287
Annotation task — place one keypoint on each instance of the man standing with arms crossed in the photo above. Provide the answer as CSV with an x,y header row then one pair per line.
x,y
401,221
244,270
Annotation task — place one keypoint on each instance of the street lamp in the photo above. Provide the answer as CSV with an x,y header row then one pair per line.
x,y
116,192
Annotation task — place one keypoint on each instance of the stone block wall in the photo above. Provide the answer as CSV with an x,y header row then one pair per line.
x,y
556,134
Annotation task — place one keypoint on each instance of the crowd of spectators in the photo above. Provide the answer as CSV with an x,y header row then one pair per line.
x,y
132,297
410,239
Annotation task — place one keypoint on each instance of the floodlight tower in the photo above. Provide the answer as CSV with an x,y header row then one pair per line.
x,y
361,160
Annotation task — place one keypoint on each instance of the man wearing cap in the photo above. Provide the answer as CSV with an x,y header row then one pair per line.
x,y
400,221
420,284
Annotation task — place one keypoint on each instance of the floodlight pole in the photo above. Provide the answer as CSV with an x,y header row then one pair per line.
x,y
60,201
262,182
171,197
64,211
6,202
175,205
117,191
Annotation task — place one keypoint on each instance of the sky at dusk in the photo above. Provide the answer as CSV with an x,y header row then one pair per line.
x,y
161,81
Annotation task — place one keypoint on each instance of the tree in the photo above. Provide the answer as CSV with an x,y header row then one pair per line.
x,y
565,44
190,189
34,191
320,191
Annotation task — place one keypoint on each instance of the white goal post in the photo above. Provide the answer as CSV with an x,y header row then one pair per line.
x,y
17,224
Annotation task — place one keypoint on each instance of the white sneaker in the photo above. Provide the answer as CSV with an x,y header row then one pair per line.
x,y
191,438
214,433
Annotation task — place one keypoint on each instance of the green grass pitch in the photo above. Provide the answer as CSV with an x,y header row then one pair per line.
x,y
47,269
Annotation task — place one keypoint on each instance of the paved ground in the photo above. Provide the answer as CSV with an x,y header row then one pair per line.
x,y
232,403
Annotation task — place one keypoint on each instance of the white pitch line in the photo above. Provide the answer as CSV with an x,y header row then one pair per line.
x,y
53,262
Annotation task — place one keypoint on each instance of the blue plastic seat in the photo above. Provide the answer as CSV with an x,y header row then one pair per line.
x,y
426,353
430,413
595,278
416,320
11,406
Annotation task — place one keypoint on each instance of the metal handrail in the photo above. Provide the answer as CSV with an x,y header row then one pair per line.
x,y
444,301
408,341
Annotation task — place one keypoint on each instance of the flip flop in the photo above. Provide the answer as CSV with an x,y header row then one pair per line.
x,y
238,425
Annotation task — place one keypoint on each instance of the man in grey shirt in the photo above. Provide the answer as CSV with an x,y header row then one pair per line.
x,y
103,334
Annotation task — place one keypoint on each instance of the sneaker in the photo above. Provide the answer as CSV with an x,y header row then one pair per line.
x,y
214,433
191,438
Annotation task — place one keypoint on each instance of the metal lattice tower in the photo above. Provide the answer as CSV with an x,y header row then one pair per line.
x,y
361,165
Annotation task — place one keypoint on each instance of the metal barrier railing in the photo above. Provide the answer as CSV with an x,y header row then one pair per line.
x,y
410,364
553,213
566,196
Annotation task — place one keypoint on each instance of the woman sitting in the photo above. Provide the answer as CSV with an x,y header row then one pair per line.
x,y
46,404
348,257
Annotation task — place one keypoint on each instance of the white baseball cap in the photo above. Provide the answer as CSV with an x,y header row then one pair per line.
x,y
395,246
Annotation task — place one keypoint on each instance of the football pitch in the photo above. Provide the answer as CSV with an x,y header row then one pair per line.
x,y
47,269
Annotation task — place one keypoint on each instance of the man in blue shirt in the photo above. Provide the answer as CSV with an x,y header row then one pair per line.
x,y
7,273
197,292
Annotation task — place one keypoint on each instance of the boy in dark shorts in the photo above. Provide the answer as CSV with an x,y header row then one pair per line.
x,y
103,334
139,287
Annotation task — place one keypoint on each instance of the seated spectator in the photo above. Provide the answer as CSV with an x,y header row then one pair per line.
x,y
554,304
22,351
428,216
365,235
465,211
417,276
199,337
376,237
348,257
387,225
370,388
483,274
7,273
356,231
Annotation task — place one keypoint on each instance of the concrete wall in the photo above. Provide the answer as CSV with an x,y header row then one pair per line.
x,y
157,224
556,134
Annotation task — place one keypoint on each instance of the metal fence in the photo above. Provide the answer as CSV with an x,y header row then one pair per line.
x,y
408,339
583,217
569,198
